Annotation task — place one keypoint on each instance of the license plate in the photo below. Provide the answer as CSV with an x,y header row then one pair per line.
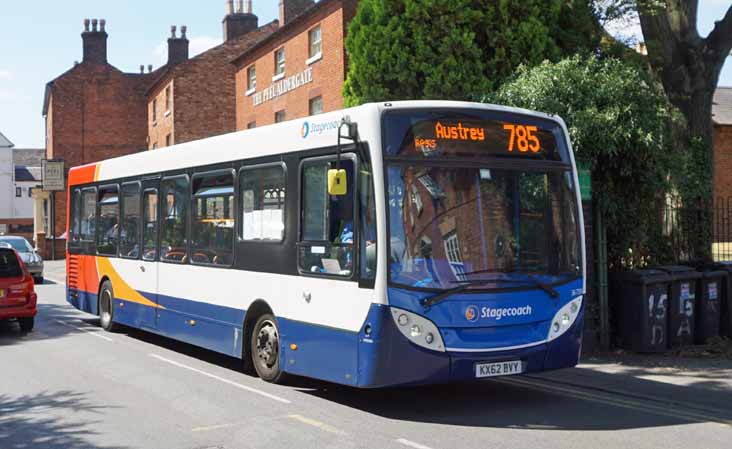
x,y
499,368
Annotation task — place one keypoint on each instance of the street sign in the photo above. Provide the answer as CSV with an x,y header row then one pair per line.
x,y
52,172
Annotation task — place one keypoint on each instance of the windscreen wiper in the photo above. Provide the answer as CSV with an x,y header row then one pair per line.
x,y
536,282
439,297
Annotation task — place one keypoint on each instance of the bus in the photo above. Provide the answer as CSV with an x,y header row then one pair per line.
x,y
389,244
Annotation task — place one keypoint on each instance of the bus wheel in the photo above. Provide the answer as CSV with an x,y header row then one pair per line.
x,y
106,307
265,344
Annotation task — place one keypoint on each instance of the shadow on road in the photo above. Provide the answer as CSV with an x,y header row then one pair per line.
x,y
47,420
46,326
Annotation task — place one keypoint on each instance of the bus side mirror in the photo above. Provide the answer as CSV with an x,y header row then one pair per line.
x,y
337,182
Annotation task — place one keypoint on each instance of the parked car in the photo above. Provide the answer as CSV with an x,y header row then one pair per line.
x,y
17,293
32,260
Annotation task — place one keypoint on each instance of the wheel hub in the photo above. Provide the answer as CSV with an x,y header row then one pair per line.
x,y
268,344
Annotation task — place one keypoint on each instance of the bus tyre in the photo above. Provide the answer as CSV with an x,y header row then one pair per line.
x,y
106,307
26,324
265,349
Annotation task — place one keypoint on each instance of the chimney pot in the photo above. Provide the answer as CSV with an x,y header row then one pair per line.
x,y
183,31
95,42
239,6
86,25
248,8
102,25
172,31
94,25
149,68
142,69
229,7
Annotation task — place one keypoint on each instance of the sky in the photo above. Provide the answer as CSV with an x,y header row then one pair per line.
x,y
40,40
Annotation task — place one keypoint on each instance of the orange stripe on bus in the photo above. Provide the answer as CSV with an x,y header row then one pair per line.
x,y
83,175
122,290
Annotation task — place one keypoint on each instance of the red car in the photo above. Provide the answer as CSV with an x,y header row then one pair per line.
x,y
17,294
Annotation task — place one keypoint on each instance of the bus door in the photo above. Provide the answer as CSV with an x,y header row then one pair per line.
x,y
148,269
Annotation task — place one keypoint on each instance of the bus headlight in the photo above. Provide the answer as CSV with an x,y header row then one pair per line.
x,y
422,332
564,319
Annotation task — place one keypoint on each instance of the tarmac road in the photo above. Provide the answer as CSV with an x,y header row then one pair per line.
x,y
70,385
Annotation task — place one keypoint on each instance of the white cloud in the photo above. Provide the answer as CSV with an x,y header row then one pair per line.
x,y
197,45
6,75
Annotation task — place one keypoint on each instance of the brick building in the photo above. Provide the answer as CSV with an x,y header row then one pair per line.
x,y
722,117
299,69
191,99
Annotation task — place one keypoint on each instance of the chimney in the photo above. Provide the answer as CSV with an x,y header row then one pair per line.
x,y
142,69
149,68
239,21
289,9
95,41
177,46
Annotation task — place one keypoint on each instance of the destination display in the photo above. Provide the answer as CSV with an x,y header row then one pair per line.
x,y
452,135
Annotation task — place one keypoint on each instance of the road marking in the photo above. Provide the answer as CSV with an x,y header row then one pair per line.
x,y
666,410
318,424
412,444
221,379
88,331
217,427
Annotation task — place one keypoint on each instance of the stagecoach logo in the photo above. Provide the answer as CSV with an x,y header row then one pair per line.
x,y
316,129
471,314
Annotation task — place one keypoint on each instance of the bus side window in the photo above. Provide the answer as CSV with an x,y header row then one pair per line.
x,y
108,231
130,232
327,221
150,224
367,212
174,235
212,228
87,222
74,212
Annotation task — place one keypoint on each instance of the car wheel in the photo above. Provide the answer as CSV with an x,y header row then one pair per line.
x,y
106,307
265,344
26,324
38,280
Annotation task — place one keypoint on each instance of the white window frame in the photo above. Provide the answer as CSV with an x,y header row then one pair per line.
x,y
279,74
315,56
310,105
453,255
251,81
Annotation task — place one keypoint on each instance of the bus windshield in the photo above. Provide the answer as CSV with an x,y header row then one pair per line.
x,y
473,224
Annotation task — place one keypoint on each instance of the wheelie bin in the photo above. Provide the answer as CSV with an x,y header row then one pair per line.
x,y
682,297
709,305
640,308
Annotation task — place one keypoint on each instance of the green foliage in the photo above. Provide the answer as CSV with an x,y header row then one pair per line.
x,y
457,49
620,123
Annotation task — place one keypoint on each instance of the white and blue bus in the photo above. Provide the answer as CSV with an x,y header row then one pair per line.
x,y
388,244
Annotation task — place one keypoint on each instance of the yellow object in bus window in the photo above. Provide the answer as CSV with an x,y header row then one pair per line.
x,y
337,182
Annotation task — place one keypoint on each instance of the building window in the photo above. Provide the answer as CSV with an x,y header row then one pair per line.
x,y
155,146
279,116
30,192
155,110
18,192
280,61
252,79
316,105
262,203
251,125
168,140
168,99
314,38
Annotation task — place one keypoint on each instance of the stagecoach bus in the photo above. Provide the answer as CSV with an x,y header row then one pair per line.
x,y
388,244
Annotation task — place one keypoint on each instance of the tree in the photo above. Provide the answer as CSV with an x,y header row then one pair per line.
x,y
620,123
458,49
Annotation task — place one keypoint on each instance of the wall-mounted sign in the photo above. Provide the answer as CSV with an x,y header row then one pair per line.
x,y
283,86
52,172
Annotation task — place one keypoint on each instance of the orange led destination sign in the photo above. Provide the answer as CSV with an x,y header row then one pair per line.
x,y
520,138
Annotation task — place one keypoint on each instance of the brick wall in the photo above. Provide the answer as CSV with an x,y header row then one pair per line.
x,y
328,72
160,122
722,162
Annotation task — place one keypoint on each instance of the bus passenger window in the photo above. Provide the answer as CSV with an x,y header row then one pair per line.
x,y
174,241
327,221
150,224
367,212
212,233
74,216
88,220
108,222
262,191
129,245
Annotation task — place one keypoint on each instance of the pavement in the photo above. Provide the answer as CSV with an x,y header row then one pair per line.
x,y
70,385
